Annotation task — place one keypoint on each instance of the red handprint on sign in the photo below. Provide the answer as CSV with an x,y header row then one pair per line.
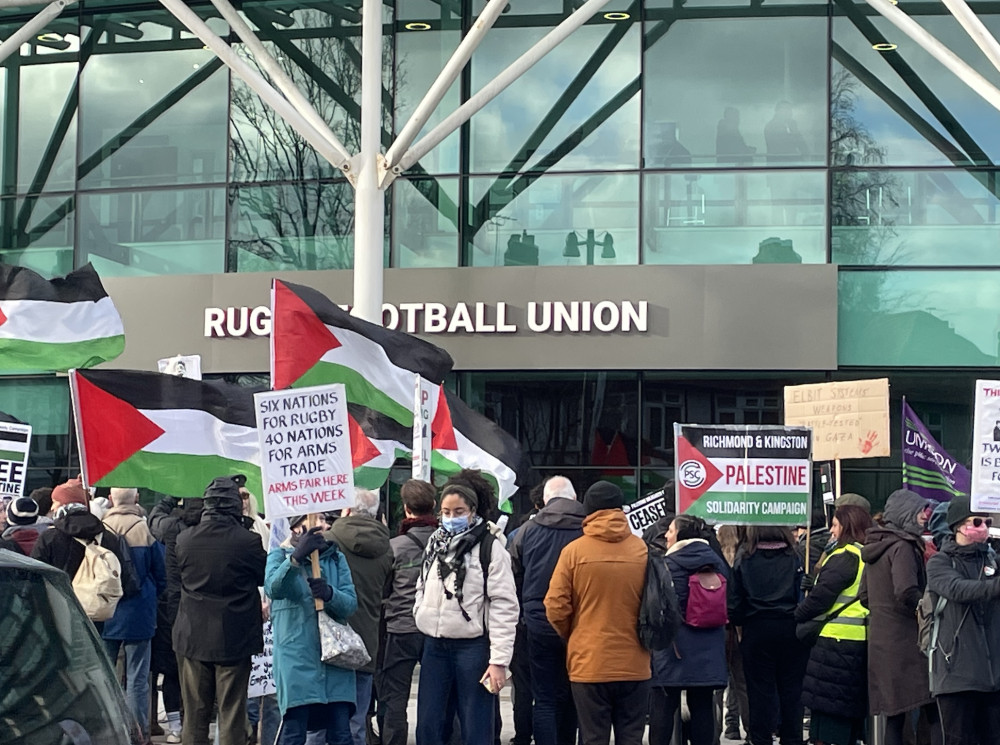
x,y
868,442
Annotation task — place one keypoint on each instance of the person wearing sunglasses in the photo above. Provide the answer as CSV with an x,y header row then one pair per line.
x,y
965,655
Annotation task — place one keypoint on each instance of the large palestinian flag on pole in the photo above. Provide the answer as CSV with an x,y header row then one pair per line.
x,y
163,432
48,326
464,438
315,342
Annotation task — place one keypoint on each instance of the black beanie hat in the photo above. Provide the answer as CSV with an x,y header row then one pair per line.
x,y
603,496
226,487
22,511
960,510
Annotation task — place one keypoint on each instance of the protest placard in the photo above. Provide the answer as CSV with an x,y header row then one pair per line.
x,y
305,447
182,365
986,448
644,512
849,419
15,440
744,474
262,667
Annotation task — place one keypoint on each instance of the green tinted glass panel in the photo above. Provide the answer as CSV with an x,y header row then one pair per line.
x,y
138,233
425,222
578,108
292,226
735,218
420,57
47,128
153,104
554,220
44,404
320,50
735,92
919,318
906,218
904,107
37,232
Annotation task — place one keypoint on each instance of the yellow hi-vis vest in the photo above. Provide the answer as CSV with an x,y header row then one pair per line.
x,y
852,623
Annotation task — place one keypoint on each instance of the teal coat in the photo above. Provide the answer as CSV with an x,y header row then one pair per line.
x,y
298,673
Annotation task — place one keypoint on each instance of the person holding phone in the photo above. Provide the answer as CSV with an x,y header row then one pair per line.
x,y
466,606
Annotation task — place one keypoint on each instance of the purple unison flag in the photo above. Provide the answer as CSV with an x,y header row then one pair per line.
x,y
928,469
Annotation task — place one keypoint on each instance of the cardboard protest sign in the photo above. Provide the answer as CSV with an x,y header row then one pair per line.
x,y
305,447
849,419
744,474
262,667
646,511
15,440
985,492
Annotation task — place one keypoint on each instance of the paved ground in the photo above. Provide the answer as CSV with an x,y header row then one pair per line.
x,y
506,713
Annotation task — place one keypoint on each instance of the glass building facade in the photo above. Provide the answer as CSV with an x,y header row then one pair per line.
x,y
661,133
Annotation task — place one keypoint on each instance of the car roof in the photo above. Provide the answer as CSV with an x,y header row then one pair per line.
x,y
14,560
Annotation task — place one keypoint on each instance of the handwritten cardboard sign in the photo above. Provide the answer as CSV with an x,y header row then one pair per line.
x,y
849,419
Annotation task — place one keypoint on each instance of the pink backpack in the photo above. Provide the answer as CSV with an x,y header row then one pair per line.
x,y
706,604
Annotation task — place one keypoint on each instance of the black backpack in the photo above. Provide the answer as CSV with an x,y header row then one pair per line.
x,y
659,612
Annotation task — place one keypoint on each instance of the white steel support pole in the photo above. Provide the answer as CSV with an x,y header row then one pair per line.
x,y
976,29
500,83
180,10
444,81
939,51
281,80
369,200
13,42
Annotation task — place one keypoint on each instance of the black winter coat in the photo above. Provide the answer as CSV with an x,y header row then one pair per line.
x,y
836,679
60,548
365,543
891,587
765,585
698,656
221,567
165,523
968,651
401,589
535,551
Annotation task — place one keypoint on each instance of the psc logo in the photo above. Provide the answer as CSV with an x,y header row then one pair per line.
x,y
692,474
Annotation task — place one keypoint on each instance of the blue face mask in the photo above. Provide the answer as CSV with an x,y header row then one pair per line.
x,y
455,524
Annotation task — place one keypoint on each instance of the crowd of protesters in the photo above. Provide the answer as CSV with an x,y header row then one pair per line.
x,y
816,632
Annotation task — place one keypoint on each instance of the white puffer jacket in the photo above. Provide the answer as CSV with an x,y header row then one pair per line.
x,y
441,617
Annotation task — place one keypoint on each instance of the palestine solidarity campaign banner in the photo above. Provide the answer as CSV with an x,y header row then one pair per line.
x,y
928,469
744,474
15,441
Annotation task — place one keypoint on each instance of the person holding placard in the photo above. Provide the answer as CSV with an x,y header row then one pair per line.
x,y
965,655
311,695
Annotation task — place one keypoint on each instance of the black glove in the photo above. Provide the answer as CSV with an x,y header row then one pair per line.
x,y
808,582
311,541
320,589
169,502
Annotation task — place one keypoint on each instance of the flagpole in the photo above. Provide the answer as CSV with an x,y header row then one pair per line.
x,y
314,560
74,401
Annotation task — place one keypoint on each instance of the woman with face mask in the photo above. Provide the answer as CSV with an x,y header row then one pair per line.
x,y
466,606
965,660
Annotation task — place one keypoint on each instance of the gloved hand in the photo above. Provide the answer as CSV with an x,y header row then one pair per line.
x,y
808,582
311,541
320,589
169,502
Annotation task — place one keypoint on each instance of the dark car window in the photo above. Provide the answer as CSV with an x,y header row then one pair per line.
x,y
56,684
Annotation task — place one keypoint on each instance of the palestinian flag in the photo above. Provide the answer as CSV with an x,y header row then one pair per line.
x,y
163,432
315,342
463,438
376,442
47,326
